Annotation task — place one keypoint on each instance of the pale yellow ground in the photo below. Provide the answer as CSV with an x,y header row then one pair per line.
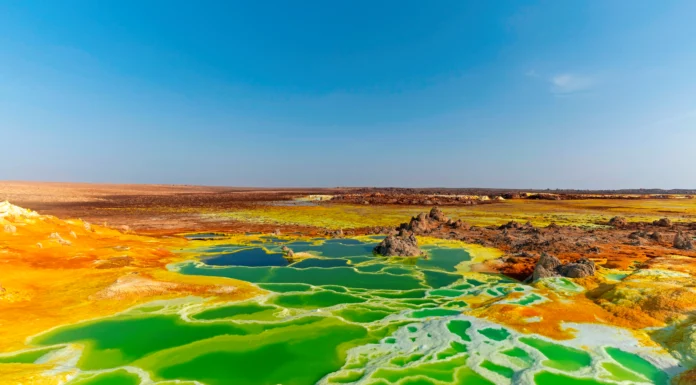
x,y
538,212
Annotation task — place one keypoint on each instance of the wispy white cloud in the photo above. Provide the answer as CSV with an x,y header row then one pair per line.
x,y
564,84
571,83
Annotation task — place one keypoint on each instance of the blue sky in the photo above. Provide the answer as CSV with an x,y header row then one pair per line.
x,y
520,94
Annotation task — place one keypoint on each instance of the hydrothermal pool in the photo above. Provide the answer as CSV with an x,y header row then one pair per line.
x,y
342,316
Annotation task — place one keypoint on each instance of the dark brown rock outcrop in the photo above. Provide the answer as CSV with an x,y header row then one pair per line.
x,y
404,244
583,267
550,266
437,215
683,241
663,222
657,236
546,267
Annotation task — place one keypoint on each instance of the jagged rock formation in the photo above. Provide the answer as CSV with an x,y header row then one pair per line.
x,y
546,267
435,220
550,266
437,215
621,245
583,267
683,241
403,244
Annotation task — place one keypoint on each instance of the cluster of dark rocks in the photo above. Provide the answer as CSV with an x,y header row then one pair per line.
x,y
433,221
340,233
524,243
385,198
402,244
549,266
619,221
681,240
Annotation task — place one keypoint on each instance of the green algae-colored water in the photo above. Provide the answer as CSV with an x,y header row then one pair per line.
x,y
344,317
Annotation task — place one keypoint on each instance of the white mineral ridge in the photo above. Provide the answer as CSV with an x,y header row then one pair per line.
x,y
7,209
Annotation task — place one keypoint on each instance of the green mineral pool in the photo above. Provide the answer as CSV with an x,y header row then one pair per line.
x,y
343,316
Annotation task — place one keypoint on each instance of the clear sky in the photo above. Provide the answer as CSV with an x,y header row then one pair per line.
x,y
520,94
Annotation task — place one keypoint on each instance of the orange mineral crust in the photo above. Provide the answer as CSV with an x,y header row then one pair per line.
x,y
57,272
547,318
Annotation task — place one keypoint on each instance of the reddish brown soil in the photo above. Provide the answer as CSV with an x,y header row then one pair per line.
x,y
624,247
169,209
159,209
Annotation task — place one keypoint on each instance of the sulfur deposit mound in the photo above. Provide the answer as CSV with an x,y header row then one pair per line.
x,y
549,266
401,245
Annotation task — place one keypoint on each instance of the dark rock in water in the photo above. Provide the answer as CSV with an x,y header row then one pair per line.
x,y
618,221
663,222
549,266
437,215
583,267
288,252
683,241
401,245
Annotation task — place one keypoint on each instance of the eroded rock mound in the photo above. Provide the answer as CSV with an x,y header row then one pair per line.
x,y
437,215
435,220
550,266
657,236
583,267
546,267
683,241
404,244
663,222
419,223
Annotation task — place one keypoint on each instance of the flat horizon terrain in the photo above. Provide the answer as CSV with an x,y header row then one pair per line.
x,y
143,284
